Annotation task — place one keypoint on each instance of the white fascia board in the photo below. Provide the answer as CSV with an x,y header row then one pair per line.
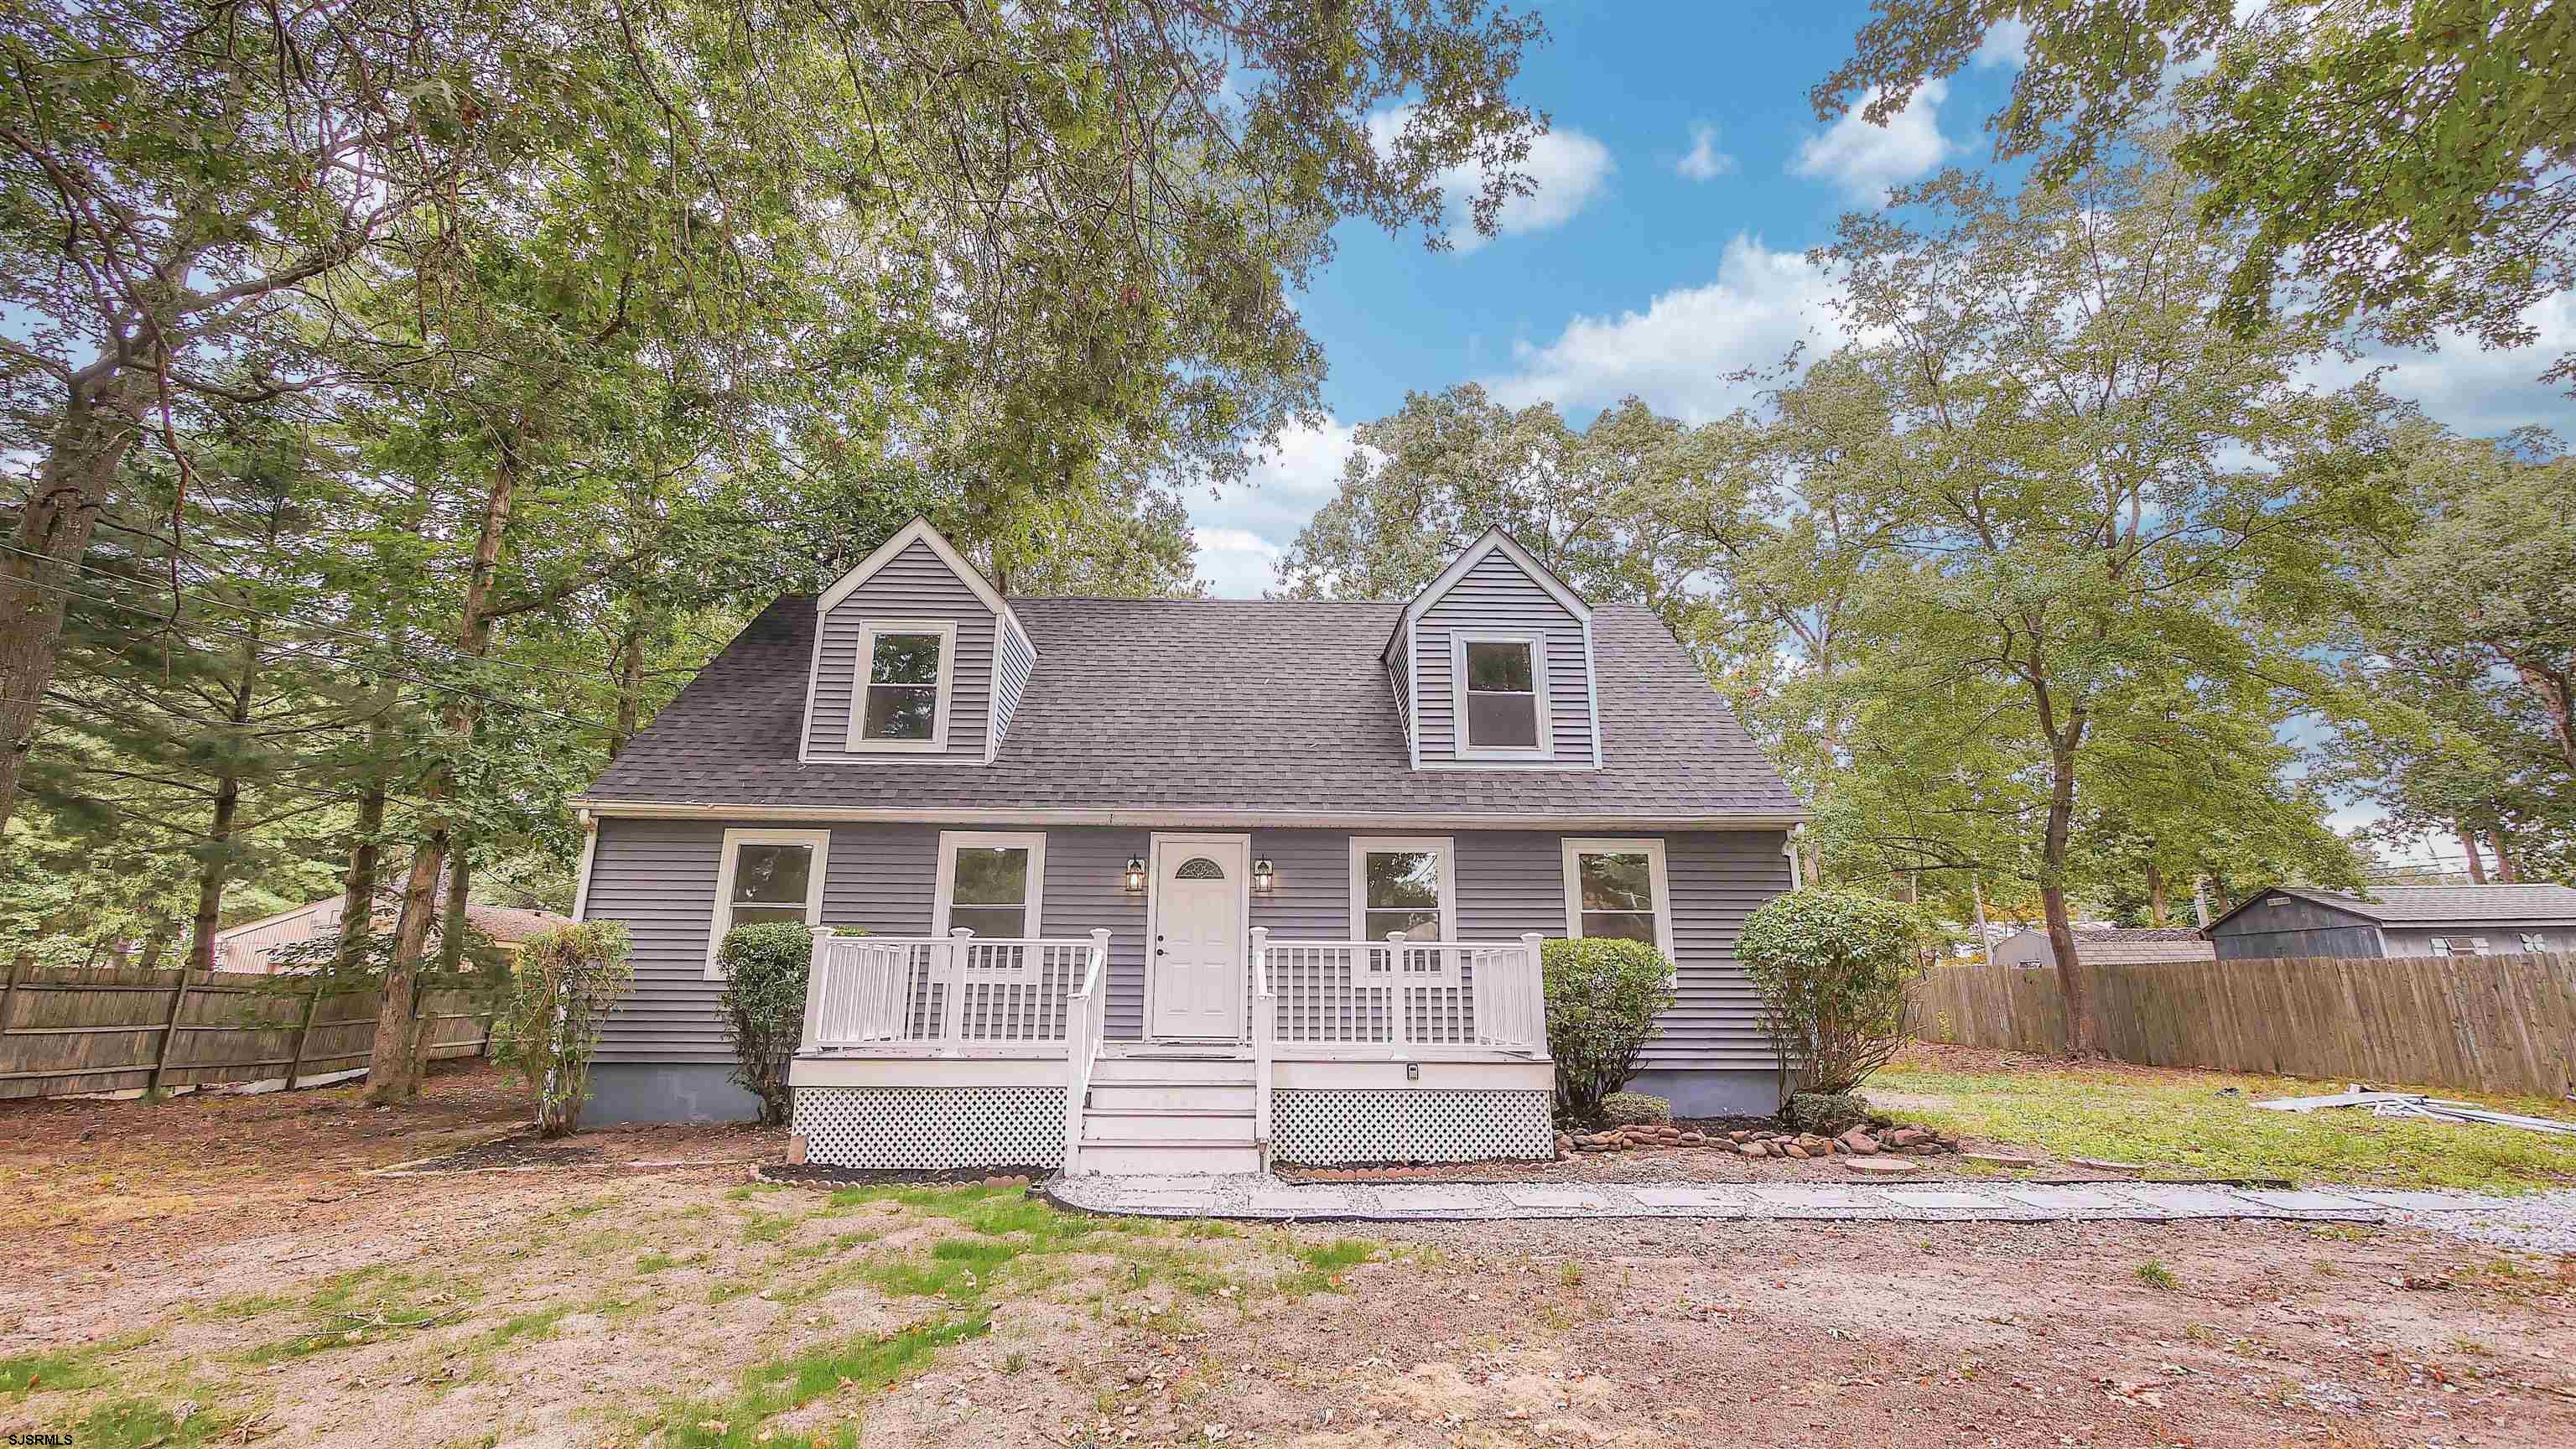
x,y
1185,818
1493,539
920,531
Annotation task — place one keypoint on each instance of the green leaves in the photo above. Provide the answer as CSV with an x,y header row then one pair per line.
x,y
1602,1000
762,1006
1832,969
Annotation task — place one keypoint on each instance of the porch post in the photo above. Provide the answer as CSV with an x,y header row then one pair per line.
x,y
952,1023
1265,1031
1533,992
817,966
1397,1033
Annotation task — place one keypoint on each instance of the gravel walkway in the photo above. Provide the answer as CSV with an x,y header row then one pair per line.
x,y
2545,1221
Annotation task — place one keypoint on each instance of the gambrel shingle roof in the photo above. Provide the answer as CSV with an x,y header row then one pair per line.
x,y
1218,705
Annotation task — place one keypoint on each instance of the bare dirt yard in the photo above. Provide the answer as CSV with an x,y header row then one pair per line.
x,y
223,1271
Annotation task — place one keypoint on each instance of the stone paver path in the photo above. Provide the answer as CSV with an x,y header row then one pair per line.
x,y
1263,1197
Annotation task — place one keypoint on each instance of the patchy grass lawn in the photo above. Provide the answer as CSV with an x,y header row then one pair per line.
x,y
2185,1124
621,1302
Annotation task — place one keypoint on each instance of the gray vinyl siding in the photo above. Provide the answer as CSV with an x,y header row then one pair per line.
x,y
1718,878
2297,927
1497,595
914,584
658,876
1014,662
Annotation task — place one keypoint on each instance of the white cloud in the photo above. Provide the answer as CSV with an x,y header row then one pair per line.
x,y
1241,533
2475,391
1704,162
1236,562
2007,44
1568,168
1865,160
1678,352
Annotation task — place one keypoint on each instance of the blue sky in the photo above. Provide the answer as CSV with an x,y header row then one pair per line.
x,y
1679,191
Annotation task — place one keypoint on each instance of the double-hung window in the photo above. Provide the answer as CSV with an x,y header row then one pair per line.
x,y
768,875
1404,886
1618,889
991,882
900,698
1501,685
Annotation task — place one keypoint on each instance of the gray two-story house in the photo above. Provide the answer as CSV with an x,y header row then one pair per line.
x,y
1181,884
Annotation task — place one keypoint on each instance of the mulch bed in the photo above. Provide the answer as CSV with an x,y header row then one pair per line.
x,y
516,1152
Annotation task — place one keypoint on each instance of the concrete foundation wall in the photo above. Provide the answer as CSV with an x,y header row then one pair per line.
x,y
1714,1094
664,1092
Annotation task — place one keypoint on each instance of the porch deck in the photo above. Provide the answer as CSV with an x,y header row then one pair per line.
x,y
1370,1051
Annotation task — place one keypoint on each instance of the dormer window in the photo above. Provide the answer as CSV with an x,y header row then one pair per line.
x,y
1502,683
902,702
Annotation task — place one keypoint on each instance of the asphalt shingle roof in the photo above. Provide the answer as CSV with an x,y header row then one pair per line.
x,y
2442,905
1202,704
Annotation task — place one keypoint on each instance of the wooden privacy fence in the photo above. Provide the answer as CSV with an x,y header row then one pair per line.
x,y
2486,1023
128,1029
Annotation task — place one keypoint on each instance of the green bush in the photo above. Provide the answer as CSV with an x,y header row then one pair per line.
x,y
1602,1000
763,1007
567,979
1632,1109
1832,968
1826,1114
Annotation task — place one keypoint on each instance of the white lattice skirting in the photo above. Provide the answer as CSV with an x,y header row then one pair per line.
x,y
1326,1128
932,1127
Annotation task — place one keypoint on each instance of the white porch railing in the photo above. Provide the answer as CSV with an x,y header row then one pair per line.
x,y
1082,1046
948,994
1386,998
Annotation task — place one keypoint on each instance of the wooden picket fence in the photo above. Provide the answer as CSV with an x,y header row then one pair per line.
x,y
115,1029
2486,1023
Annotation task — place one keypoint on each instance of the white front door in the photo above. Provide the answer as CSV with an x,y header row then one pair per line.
x,y
1200,886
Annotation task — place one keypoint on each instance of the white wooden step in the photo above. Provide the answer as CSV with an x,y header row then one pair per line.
x,y
1172,1071
1172,1159
1231,1128
1172,1097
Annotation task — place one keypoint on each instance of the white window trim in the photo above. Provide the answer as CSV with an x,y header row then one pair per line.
x,y
1443,846
720,919
942,897
1536,643
1653,847
869,631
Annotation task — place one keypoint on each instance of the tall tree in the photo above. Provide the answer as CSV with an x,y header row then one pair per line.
x,y
176,187
2122,521
2402,162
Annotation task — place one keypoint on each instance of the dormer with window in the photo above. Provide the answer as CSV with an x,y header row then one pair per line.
x,y
1491,666
914,655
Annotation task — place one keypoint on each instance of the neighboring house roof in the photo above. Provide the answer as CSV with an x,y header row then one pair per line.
x,y
510,925
1208,707
2127,943
2440,905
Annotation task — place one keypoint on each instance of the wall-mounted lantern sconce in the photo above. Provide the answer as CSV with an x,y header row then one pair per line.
x,y
1265,875
1133,879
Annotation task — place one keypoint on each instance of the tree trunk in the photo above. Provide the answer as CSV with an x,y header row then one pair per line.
x,y
2469,843
2083,1035
2505,873
452,920
630,682
73,484
395,1075
212,874
2556,696
216,867
2156,912
366,848
358,887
